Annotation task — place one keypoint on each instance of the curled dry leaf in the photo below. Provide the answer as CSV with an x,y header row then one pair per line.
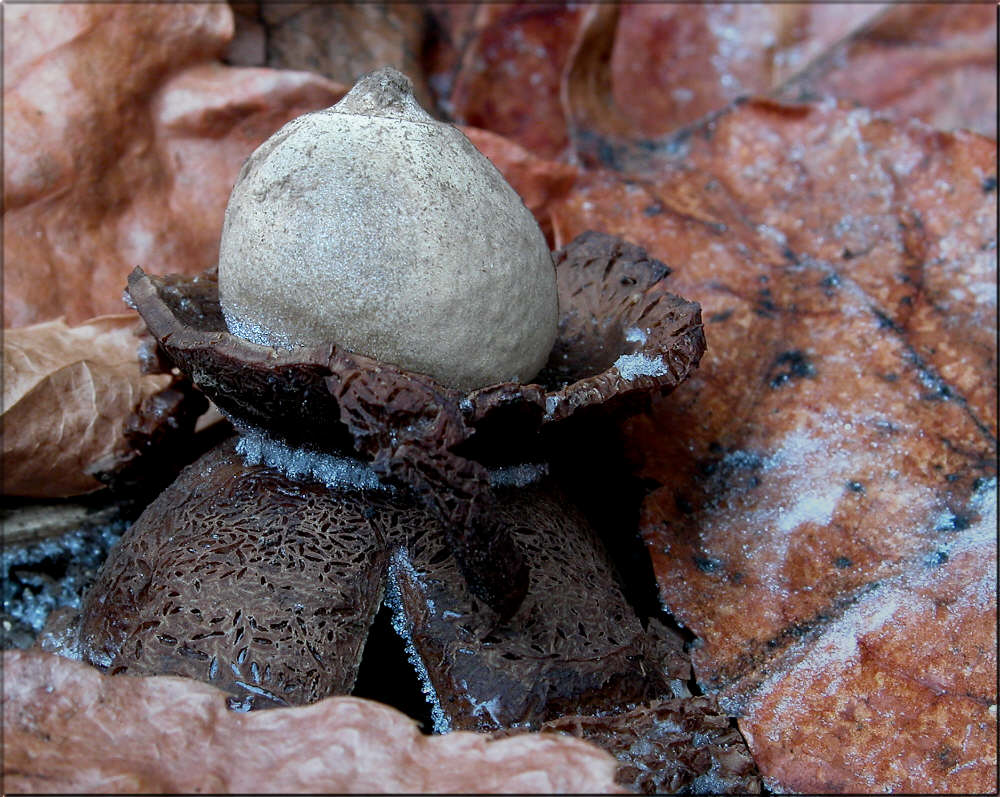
x,y
935,62
67,728
67,392
548,76
839,436
561,80
131,162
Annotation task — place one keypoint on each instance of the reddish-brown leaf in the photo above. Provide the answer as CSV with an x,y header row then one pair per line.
x,y
898,694
66,394
674,63
70,729
935,62
547,75
510,75
122,139
561,80
841,430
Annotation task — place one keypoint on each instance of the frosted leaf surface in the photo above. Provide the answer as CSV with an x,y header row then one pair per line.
x,y
841,427
884,655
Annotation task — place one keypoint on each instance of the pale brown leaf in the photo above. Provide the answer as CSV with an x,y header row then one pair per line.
x,y
66,394
935,62
68,728
123,135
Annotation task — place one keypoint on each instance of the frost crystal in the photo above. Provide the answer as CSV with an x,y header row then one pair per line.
x,y
518,475
631,366
257,447
636,335
394,600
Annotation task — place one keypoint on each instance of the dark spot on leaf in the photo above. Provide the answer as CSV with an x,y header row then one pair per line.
x,y
706,565
842,562
946,757
847,254
799,630
766,308
789,365
887,427
683,504
990,184
678,144
653,210
936,559
607,156
856,487
885,322
718,318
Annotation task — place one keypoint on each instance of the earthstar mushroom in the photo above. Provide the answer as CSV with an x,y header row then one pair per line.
x,y
446,498
621,338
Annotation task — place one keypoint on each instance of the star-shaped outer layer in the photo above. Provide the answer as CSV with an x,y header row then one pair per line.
x,y
265,585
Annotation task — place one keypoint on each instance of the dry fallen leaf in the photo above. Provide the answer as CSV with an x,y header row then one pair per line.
x,y
69,729
641,69
840,434
509,76
343,41
559,80
66,394
128,162
898,693
672,64
934,62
